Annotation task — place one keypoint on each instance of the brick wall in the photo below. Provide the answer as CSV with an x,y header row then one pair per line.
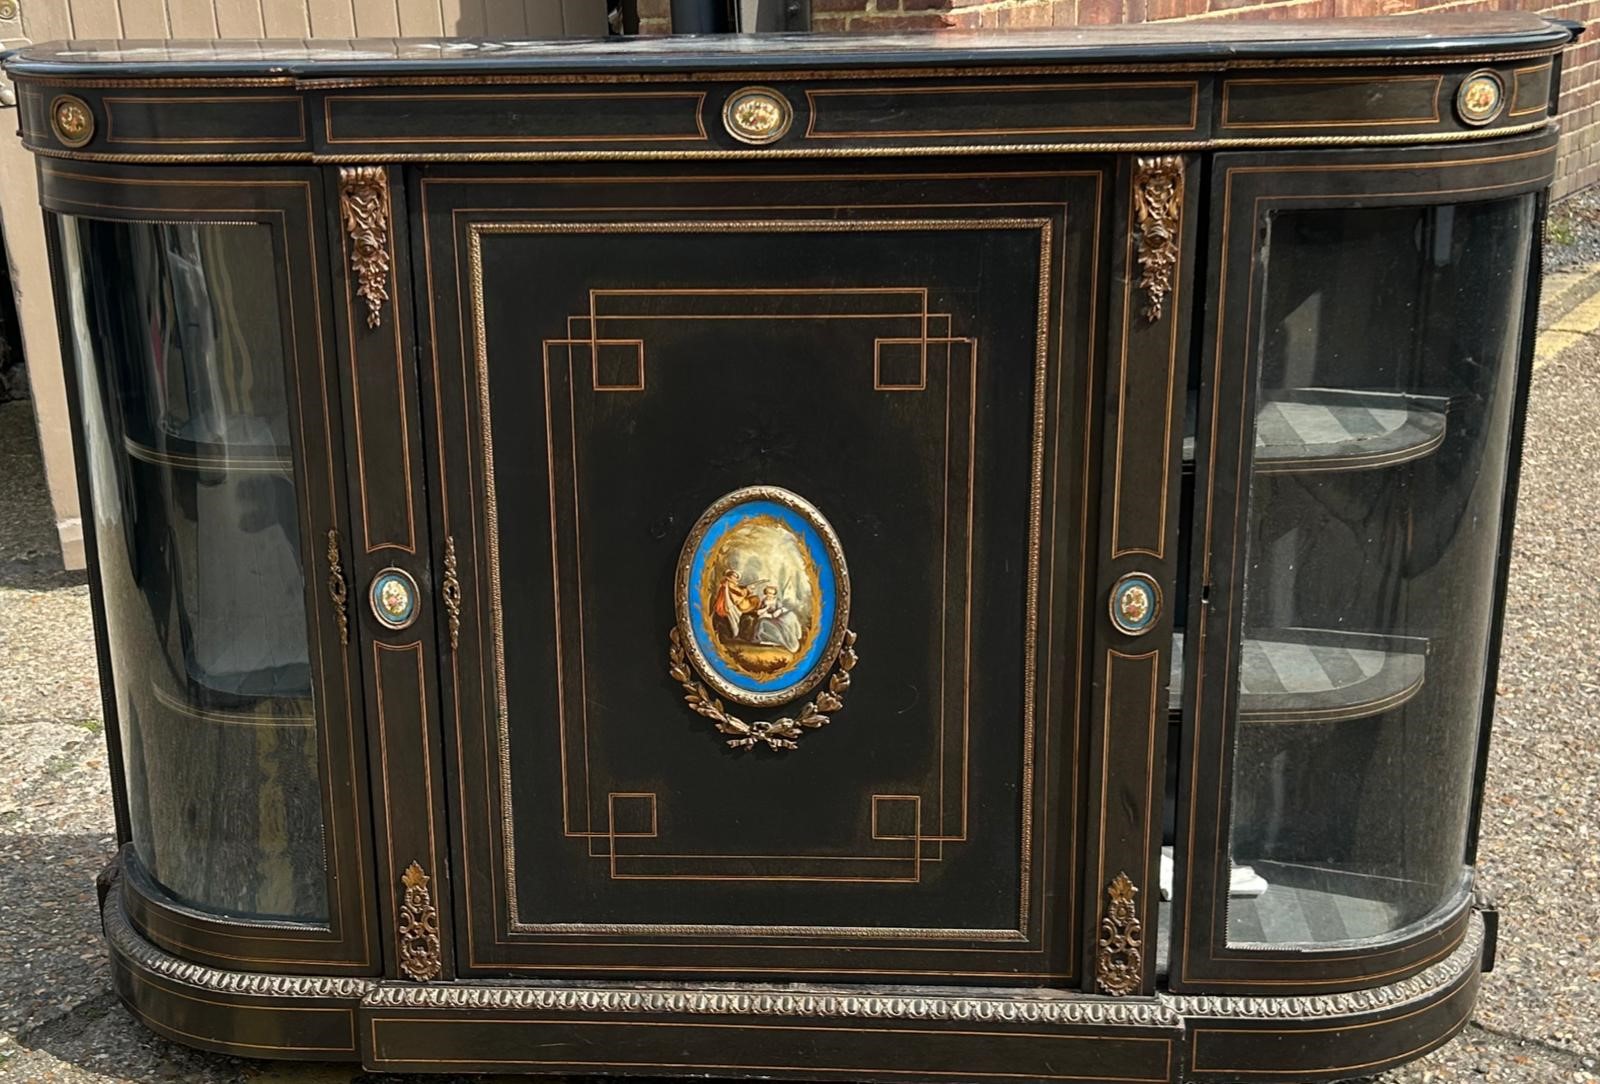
x,y
1579,164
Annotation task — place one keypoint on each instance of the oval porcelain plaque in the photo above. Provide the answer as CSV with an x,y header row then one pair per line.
x,y
763,596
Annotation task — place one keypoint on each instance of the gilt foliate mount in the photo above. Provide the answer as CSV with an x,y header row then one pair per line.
x,y
763,607
365,211
1158,209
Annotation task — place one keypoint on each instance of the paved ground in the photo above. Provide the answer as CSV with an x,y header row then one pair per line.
x,y
1539,1016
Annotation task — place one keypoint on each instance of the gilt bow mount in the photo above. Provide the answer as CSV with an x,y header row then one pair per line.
x,y
763,609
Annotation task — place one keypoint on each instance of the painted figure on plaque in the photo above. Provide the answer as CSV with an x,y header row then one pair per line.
x,y
754,614
729,607
762,597
776,624
761,589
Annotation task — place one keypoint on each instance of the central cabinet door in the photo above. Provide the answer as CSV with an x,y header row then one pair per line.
x,y
826,728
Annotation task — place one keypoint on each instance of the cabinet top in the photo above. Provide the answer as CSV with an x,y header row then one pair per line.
x,y
1219,45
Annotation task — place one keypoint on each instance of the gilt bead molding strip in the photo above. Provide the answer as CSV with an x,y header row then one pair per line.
x,y
1164,1010
1467,957
127,942
937,150
145,887
1025,1008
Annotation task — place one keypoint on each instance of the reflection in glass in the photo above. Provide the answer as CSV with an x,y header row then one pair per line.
x,y
1386,348
179,351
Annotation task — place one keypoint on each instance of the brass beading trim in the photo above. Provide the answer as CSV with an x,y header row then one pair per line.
x,y
753,999
127,942
920,150
1466,957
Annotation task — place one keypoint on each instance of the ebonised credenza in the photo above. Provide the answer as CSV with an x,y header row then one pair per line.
x,y
901,558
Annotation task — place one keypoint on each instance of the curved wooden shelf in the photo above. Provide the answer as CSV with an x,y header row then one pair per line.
x,y
1319,675
1314,430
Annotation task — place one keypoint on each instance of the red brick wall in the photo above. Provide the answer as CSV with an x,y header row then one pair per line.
x,y
1579,164
1577,167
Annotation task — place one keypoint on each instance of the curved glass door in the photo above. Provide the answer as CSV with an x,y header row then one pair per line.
x,y
190,465
1386,353
205,391
1356,426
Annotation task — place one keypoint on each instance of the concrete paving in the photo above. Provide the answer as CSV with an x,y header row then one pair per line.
x,y
1538,1020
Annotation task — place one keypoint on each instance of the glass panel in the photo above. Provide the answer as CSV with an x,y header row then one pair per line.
x,y
1386,353
180,356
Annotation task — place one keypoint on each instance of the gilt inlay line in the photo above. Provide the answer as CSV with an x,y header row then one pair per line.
x,y
364,208
1158,210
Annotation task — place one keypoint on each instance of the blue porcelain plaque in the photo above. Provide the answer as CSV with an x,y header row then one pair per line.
x,y
763,596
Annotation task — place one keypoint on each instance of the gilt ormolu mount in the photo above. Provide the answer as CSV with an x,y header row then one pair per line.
x,y
764,557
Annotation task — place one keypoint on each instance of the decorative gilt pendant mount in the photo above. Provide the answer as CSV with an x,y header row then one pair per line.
x,y
364,209
1158,211
1119,951
417,930
450,589
763,609
338,590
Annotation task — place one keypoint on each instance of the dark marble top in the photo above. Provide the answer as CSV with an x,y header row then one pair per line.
x,y
1208,43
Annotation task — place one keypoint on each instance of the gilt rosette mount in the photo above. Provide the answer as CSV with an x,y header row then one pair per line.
x,y
757,115
763,609
72,120
1482,98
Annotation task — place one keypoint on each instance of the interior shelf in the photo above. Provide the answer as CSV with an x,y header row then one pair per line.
x,y
1329,429
1319,675
263,458
1312,905
272,712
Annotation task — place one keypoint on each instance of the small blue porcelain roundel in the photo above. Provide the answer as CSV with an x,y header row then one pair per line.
x,y
394,598
763,595
1135,603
